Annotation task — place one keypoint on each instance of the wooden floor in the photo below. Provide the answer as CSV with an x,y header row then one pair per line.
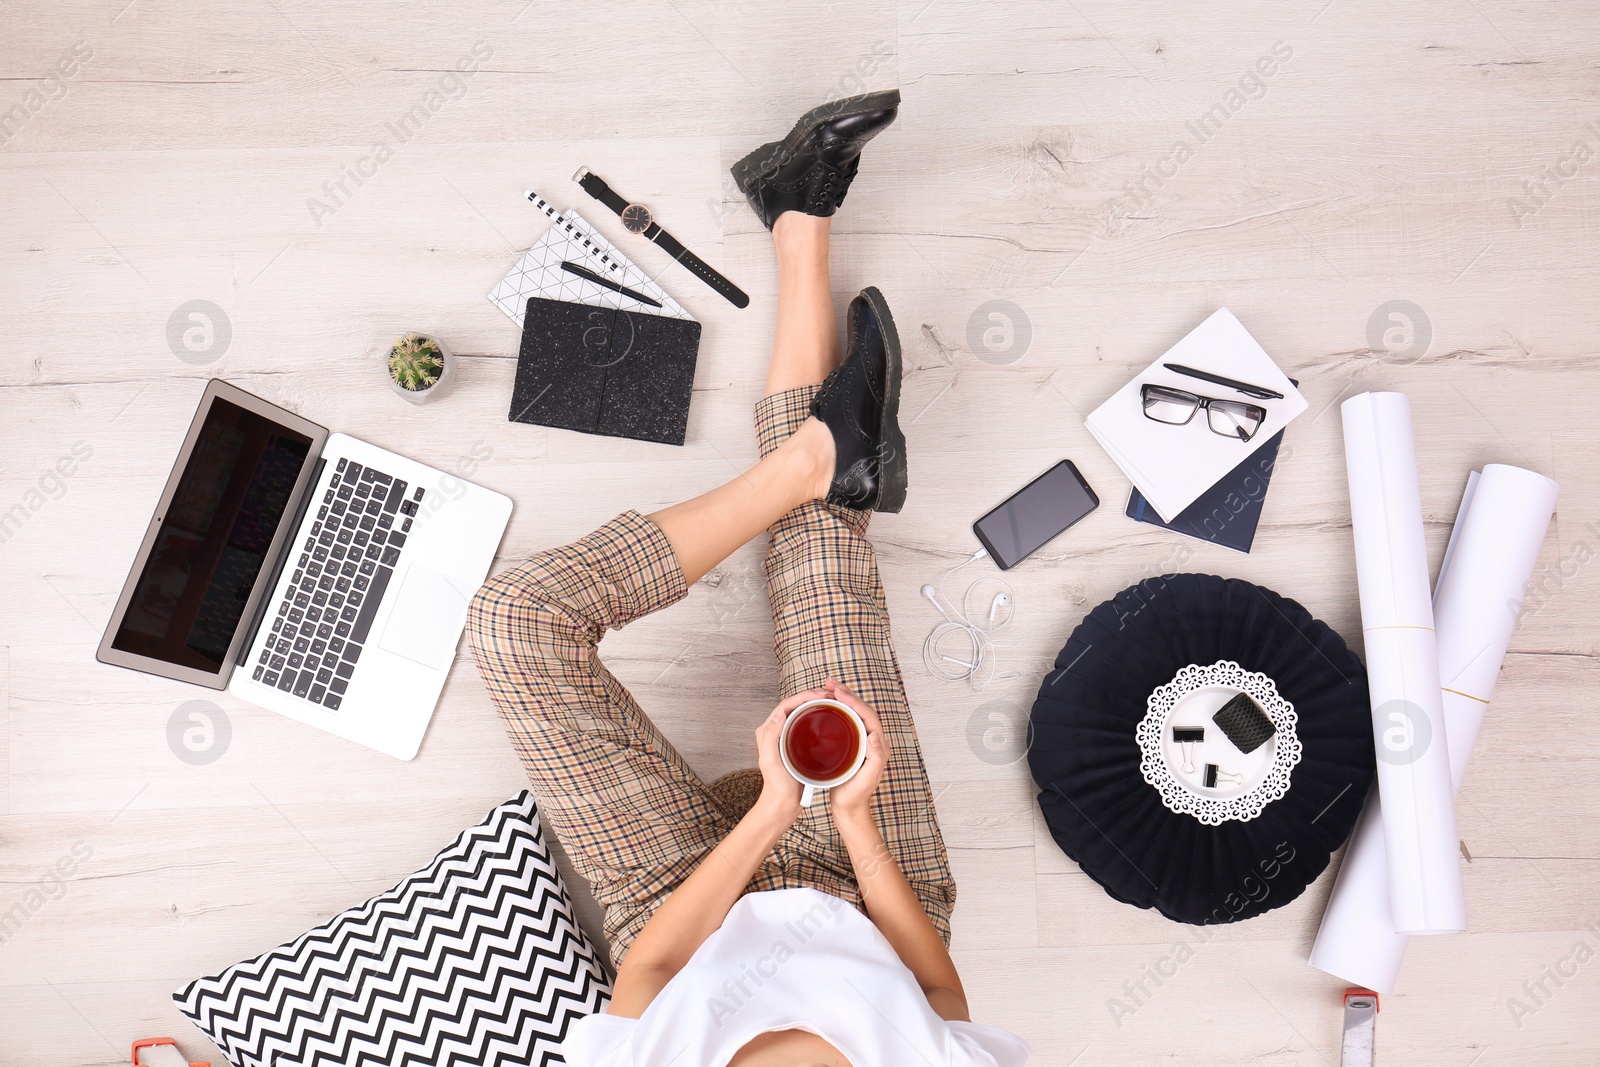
x,y
1438,153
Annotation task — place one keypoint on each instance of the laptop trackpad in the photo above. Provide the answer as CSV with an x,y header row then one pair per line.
x,y
426,622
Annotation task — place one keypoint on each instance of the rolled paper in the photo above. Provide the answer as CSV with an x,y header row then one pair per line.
x,y
1506,512
1426,895
1356,940
1504,516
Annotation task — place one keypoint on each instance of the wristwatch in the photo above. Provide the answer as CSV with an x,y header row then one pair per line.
x,y
636,218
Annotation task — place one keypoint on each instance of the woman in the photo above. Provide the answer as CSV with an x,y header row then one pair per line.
x,y
738,927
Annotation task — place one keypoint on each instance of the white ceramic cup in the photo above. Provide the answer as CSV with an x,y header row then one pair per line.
x,y
812,784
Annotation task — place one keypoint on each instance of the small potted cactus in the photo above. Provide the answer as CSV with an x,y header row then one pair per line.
x,y
418,367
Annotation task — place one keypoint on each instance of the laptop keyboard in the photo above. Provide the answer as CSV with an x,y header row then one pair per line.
x,y
339,580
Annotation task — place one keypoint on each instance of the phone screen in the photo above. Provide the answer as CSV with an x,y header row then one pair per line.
x,y
1038,512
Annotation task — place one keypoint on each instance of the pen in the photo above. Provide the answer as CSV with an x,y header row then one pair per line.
x,y
583,272
1246,388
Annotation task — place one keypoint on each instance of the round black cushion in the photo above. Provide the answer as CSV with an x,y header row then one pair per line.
x,y
1085,758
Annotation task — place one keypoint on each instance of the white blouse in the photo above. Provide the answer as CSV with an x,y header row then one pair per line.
x,y
791,959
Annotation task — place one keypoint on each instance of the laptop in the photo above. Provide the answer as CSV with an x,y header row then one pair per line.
x,y
306,572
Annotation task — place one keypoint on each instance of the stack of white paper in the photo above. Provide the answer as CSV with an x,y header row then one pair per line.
x,y
1173,465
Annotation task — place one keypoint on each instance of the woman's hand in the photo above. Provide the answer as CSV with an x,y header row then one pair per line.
x,y
780,793
698,906
853,799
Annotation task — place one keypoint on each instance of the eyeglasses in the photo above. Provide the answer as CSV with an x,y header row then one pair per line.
x,y
1230,418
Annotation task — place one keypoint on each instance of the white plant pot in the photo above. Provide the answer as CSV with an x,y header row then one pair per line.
x,y
422,396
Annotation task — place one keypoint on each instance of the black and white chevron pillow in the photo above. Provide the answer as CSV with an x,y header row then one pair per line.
x,y
475,959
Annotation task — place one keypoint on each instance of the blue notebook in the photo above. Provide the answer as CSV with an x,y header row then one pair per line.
x,y
1228,512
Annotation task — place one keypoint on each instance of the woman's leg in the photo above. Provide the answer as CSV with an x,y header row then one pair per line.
x,y
708,529
635,817
830,619
805,348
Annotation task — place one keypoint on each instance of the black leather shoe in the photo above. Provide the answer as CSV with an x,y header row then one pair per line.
x,y
810,170
860,404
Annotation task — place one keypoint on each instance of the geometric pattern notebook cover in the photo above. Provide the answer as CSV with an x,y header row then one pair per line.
x,y
605,371
473,960
571,238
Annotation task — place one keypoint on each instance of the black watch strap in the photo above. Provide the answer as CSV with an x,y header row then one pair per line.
x,y
597,188
697,266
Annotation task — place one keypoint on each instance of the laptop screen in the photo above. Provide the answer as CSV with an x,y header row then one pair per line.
x,y
190,596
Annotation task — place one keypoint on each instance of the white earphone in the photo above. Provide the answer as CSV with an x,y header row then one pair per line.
x,y
973,662
1001,600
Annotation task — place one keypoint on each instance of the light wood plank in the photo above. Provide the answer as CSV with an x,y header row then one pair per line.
x,y
1387,158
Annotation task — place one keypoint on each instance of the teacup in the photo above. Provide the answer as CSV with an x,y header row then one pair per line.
x,y
823,744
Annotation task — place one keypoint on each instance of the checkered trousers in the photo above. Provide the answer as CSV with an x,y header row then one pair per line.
x,y
634,817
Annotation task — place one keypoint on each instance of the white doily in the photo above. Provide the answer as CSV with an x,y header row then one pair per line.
x,y
1252,780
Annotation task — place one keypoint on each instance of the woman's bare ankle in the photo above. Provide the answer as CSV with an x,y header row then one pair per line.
x,y
796,227
813,452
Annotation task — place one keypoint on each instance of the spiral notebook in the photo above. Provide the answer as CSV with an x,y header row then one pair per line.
x,y
571,239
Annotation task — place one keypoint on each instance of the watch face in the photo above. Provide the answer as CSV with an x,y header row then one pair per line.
x,y
636,218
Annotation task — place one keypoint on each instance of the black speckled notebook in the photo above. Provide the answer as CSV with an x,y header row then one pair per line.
x,y
605,371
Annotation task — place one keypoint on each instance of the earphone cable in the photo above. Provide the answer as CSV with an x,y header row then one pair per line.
x,y
971,657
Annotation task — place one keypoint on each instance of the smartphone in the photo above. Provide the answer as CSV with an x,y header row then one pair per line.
x,y
1039,511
